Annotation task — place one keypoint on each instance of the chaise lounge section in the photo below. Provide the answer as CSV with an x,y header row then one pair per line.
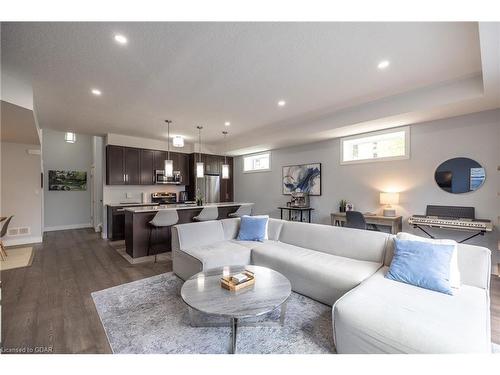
x,y
345,268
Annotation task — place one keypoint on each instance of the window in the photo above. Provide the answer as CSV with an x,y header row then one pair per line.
x,y
392,144
257,162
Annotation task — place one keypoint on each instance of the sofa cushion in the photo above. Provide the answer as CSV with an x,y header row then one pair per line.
x,y
385,316
253,228
219,254
232,226
346,242
318,275
423,264
198,234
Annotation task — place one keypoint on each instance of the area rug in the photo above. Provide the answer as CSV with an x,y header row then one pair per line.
x,y
120,247
17,258
148,316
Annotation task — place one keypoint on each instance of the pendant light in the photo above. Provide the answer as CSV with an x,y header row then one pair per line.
x,y
169,164
225,166
200,167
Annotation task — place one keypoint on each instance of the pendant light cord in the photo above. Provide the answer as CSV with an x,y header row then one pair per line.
x,y
199,143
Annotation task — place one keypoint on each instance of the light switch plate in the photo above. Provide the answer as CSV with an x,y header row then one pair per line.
x,y
128,195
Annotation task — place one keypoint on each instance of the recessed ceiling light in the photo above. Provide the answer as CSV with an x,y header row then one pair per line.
x,y
227,123
120,39
383,64
96,92
281,103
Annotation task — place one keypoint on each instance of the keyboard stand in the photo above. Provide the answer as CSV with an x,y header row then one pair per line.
x,y
480,233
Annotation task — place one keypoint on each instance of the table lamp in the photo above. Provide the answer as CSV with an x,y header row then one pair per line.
x,y
388,199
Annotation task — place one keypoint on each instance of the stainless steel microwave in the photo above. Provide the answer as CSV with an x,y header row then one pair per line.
x,y
160,178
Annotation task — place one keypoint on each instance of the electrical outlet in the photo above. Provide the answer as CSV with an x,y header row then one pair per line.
x,y
128,195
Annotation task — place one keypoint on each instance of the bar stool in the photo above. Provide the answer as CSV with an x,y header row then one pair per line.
x,y
242,210
207,213
162,219
3,232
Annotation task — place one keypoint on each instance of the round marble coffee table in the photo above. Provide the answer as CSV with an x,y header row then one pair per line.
x,y
203,293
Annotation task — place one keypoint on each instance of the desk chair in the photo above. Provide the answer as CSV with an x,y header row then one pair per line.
x,y
162,219
207,213
3,232
355,219
242,210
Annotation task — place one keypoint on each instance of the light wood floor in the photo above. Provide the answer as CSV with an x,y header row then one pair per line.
x,y
49,304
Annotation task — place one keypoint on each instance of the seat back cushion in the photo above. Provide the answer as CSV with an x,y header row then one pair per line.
x,y
199,234
474,263
232,226
352,243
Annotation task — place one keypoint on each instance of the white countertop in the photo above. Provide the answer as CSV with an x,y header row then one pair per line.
x,y
184,206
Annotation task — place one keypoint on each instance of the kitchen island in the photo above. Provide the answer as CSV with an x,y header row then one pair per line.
x,y
137,228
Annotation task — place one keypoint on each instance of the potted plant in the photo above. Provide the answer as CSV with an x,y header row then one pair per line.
x,y
199,198
342,205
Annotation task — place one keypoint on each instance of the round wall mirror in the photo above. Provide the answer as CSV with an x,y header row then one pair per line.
x,y
460,175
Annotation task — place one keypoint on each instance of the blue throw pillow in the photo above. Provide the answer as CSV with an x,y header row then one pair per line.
x,y
252,228
422,264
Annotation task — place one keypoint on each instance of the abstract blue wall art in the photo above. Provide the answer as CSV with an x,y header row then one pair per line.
x,y
304,178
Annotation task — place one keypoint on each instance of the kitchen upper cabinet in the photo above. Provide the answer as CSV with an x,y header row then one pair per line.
x,y
132,166
159,159
183,167
122,165
115,165
226,185
212,164
147,167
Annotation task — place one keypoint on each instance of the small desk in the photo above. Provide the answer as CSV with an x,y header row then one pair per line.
x,y
395,223
300,209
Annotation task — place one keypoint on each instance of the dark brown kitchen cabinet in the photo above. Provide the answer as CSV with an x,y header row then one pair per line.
x,y
132,166
159,159
226,185
183,167
212,164
115,167
147,167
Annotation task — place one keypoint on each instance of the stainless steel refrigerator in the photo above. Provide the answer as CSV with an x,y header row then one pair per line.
x,y
209,188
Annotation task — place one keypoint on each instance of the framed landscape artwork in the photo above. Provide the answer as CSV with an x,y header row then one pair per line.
x,y
67,180
305,178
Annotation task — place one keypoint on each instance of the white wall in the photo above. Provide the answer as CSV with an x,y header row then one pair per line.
x,y
21,193
66,209
476,136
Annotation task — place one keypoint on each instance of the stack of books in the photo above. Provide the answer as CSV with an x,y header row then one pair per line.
x,y
238,281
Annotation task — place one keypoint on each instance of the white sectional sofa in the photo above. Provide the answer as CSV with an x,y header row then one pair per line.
x,y
345,268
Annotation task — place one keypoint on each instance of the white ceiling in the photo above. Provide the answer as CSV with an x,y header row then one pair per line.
x,y
209,73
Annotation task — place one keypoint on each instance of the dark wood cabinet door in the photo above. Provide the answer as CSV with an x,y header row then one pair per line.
x,y
183,160
159,159
115,165
226,191
147,167
132,166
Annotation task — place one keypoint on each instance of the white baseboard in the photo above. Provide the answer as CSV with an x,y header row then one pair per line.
x,y
66,227
15,241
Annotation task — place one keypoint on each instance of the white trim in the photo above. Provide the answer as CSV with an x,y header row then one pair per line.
x,y
22,240
66,227
257,170
406,130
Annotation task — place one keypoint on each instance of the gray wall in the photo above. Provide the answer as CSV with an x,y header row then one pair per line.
x,y
66,209
476,136
21,193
